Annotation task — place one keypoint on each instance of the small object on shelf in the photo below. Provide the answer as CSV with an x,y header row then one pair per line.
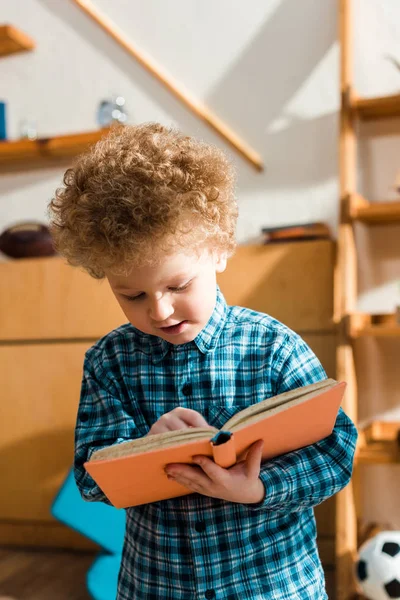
x,y
296,232
27,131
111,111
383,319
378,566
27,240
3,128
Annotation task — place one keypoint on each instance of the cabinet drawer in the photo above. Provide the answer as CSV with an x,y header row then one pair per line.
x,y
47,299
293,282
40,387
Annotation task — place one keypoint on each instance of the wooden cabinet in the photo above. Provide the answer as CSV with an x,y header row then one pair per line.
x,y
51,313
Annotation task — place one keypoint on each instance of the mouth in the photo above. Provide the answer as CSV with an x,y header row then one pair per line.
x,y
174,329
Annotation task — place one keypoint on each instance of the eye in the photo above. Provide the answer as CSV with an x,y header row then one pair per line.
x,y
133,298
180,288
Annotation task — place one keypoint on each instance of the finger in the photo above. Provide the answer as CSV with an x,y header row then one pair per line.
x,y
191,417
173,422
187,473
190,484
253,459
212,470
167,423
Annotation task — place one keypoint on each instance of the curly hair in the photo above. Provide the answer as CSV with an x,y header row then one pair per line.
x,y
139,192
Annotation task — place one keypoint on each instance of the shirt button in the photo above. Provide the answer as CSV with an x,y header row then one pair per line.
x,y
210,594
84,417
187,389
200,526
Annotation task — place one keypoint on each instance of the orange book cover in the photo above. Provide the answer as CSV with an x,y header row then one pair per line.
x,y
132,473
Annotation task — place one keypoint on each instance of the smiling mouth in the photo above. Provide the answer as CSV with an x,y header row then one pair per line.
x,y
174,328
171,326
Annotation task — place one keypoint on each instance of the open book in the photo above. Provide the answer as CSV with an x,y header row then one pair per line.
x,y
132,472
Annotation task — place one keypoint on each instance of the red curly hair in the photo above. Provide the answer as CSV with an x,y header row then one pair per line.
x,y
139,192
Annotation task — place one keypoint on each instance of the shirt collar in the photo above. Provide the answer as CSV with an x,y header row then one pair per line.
x,y
205,341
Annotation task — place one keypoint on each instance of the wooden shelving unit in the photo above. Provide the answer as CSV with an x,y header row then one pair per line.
x,y
372,109
13,40
41,151
379,442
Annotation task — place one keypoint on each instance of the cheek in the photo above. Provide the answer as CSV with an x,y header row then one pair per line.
x,y
198,306
133,314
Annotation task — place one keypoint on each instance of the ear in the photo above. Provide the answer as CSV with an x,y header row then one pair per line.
x,y
220,263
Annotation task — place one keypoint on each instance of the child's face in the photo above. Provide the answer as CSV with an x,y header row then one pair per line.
x,y
174,299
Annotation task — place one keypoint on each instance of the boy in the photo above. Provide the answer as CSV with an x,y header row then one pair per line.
x,y
154,212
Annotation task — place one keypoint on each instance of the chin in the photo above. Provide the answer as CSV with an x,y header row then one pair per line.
x,y
183,339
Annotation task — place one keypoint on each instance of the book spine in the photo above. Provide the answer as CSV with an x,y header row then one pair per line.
x,y
223,448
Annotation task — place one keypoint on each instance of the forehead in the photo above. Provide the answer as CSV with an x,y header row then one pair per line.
x,y
172,268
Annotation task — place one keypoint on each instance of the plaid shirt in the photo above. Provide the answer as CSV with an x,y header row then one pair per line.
x,y
196,547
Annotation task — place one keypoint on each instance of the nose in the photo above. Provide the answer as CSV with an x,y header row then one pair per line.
x,y
161,309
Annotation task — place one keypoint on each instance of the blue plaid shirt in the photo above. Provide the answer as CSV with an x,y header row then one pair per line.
x,y
196,546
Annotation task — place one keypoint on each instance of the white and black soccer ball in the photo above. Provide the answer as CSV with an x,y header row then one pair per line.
x,y
378,567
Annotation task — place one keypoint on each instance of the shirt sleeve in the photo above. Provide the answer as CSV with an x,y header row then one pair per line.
x,y
308,476
102,421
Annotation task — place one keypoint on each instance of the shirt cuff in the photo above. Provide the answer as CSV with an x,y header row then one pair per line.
x,y
277,489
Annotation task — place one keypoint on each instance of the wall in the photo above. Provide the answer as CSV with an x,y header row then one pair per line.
x,y
270,70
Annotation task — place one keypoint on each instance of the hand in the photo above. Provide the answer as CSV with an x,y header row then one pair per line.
x,y
179,418
240,483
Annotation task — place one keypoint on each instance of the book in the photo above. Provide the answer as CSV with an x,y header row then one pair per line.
x,y
132,473
296,232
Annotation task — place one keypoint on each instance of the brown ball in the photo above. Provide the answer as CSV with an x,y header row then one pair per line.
x,y
27,240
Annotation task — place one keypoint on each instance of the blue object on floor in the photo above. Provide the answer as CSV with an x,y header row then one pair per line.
x,y
101,523
102,577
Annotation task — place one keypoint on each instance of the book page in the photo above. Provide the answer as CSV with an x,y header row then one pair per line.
x,y
153,442
276,404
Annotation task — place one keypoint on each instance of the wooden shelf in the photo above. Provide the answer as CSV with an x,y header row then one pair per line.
x,y
13,40
45,150
382,431
374,213
369,109
360,325
379,453
379,443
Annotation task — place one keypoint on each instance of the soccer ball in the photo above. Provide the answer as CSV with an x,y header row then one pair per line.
x,y
378,566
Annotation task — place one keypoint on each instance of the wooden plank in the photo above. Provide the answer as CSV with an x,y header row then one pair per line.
x,y
196,106
43,150
324,347
381,107
381,213
51,300
326,549
44,575
347,501
292,282
42,385
325,515
345,296
382,453
14,40
382,431
37,534
360,325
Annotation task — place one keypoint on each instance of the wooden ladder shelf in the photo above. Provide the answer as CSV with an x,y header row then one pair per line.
x,y
379,443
